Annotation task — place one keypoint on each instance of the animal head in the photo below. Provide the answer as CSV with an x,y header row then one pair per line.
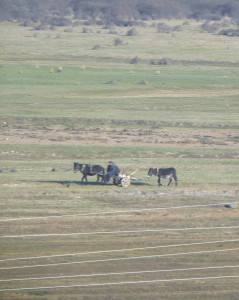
x,y
78,167
152,171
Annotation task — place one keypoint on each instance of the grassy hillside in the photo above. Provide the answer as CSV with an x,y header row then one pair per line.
x,y
73,95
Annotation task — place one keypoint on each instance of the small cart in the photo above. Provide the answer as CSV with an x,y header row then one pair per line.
x,y
124,180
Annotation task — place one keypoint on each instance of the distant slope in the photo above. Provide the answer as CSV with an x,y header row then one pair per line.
x,y
39,10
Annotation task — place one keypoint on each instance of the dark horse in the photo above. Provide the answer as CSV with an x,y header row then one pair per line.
x,y
90,170
164,173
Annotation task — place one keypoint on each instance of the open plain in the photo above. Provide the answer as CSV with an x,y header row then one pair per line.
x,y
75,95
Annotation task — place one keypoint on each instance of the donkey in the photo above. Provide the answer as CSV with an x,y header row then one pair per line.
x,y
90,170
164,173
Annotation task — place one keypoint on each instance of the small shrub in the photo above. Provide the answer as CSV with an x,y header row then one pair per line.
x,y
177,28
229,32
113,31
164,61
27,23
154,62
41,26
162,27
132,32
87,30
210,26
77,23
89,22
59,69
143,82
59,21
52,28
134,60
118,41
215,26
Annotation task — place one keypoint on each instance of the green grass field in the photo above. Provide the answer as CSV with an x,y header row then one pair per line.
x,y
63,101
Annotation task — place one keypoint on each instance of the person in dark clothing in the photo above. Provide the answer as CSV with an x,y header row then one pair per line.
x,y
113,171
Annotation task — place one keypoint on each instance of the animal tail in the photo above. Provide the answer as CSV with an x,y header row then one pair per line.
x,y
175,177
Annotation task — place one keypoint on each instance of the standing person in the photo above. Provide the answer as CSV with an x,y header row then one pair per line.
x,y
113,171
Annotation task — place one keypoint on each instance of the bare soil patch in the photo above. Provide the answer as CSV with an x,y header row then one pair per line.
x,y
172,137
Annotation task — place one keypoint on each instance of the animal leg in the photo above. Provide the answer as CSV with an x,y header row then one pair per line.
x,y
104,178
170,180
159,183
84,177
175,179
